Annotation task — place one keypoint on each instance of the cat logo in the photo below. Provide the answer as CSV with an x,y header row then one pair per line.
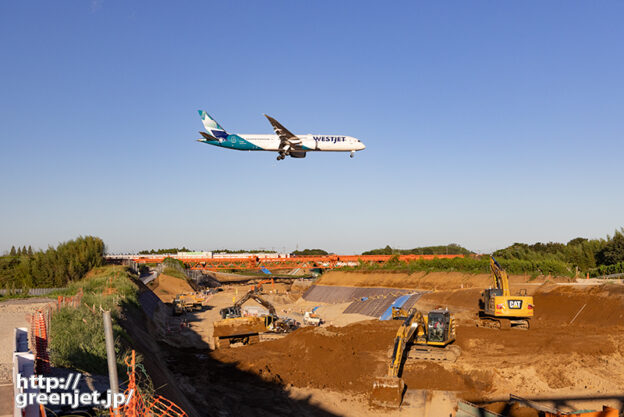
x,y
515,304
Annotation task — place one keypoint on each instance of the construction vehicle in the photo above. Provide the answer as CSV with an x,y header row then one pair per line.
x,y
310,318
498,308
187,302
426,337
399,313
235,328
258,287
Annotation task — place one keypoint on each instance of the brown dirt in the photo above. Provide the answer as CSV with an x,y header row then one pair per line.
x,y
431,375
423,280
166,287
601,305
240,326
552,356
341,358
513,410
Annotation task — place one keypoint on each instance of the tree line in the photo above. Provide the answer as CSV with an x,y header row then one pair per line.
x,y
163,251
54,267
451,249
596,256
310,252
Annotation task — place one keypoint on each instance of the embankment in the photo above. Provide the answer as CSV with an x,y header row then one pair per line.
x,y
423,280
166,287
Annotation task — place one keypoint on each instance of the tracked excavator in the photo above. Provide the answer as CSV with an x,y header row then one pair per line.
x,y
234,328
498,308
426,337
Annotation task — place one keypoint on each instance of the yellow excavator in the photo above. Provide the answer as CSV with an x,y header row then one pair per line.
x,y
426,337
498,308
235,328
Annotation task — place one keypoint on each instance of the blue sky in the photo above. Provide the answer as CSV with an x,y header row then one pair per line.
x,y
486,123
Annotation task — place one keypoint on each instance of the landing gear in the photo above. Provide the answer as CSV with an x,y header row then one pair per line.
x,y
352,153
280,157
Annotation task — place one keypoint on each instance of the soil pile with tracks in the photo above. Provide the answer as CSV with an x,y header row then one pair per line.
x,y
166,287
340,358
593,306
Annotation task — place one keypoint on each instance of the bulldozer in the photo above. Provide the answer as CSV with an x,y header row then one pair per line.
x,y
235,328
425,337
499,309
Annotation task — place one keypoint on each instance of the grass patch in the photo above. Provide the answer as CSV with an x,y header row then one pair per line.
x,y
173,272
77,333
471,265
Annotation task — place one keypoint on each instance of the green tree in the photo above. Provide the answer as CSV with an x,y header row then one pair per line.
x,y
13,251
310,252
613,251
30,251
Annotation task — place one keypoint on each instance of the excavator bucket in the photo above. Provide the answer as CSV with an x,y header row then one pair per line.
x,y
387,392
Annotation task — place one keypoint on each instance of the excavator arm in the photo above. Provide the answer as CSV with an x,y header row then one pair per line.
x,y
388,390
251,295
404,336
499,277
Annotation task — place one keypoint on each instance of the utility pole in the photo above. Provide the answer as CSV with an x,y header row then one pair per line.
x,y
110,354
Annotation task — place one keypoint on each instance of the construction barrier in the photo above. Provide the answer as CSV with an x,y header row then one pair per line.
x,y
38,363
142,404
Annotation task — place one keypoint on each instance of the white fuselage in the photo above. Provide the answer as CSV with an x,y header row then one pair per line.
x,y
336,143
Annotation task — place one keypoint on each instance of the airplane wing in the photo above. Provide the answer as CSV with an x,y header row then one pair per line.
x,y
288,140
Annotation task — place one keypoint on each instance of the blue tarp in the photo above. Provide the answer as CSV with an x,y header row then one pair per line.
x,y
387,315
266,271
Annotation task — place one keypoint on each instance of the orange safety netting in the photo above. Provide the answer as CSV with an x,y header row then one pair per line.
x,y
141,404
39,340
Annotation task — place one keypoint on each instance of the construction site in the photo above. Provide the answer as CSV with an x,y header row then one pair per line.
x,y
364,344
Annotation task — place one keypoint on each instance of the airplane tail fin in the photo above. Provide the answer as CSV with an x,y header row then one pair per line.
x,y
212,126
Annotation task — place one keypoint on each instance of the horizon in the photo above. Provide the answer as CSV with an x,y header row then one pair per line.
x,y
484,124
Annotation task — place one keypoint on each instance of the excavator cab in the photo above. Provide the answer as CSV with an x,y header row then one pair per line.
x,y
438,326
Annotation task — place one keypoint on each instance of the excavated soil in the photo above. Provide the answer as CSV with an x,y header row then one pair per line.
x,y
423,280
166,287
553,356
340,358
513,410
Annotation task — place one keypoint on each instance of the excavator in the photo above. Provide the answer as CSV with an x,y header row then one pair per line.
x,y
426,337
233,327
499,309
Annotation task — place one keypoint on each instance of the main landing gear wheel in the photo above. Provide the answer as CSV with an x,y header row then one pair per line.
x,y
279,158
352,153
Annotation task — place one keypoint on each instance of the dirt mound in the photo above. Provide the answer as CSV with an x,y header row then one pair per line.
x,y
456,300
340,358
483,342
595,306
422,280
430,375
347,359
166,287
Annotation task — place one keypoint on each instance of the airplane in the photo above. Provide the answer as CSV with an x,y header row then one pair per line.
x,y
283,142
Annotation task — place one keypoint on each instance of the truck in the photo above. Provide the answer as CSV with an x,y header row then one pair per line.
x,y
234,328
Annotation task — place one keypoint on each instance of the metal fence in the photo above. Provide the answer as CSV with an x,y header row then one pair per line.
x,y
31,291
